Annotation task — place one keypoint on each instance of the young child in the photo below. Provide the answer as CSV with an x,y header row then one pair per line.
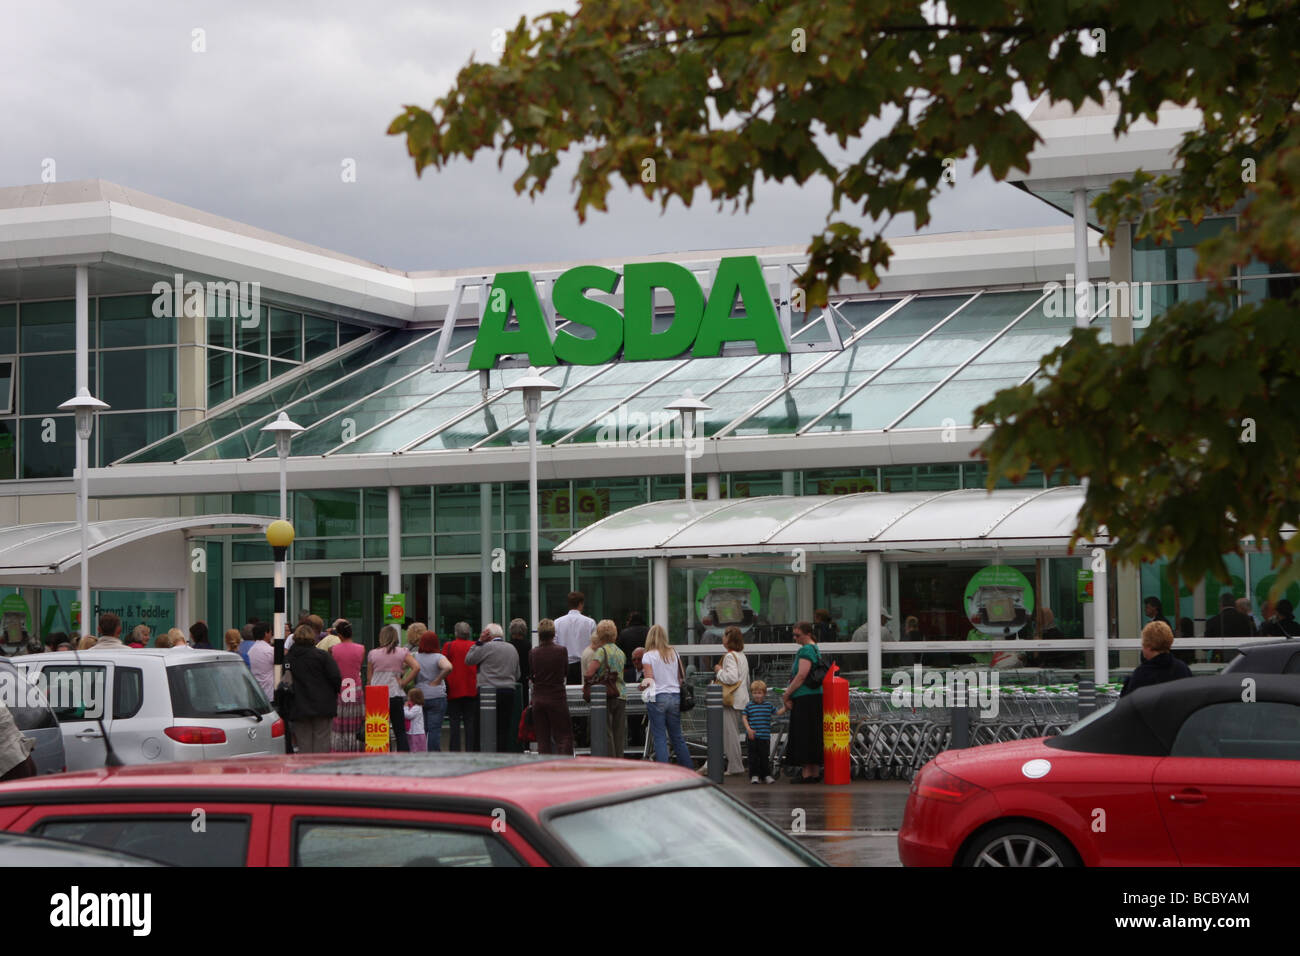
x,y
758,728
414,711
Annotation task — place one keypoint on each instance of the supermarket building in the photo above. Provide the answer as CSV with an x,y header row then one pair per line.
x,y
411,473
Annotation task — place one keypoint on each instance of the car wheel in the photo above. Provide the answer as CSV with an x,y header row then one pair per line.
x,y
1019,843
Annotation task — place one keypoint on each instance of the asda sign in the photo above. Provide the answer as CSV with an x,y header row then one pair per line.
x,y
699,325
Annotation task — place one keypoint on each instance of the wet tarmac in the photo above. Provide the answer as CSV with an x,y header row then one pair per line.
x,y
851,825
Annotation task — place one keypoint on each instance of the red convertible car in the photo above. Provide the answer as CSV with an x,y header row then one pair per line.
x,y
401,810
1203,771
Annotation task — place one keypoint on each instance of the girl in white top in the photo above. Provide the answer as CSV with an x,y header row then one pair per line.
x,y
660,664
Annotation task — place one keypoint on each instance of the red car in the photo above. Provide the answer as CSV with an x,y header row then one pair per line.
x,y
401,810
1203,771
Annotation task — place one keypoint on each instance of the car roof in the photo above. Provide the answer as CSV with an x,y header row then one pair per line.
x,y
530,781
1146,721
1273,657
167,655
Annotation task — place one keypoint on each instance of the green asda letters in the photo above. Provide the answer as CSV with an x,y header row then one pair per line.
x,y
698,327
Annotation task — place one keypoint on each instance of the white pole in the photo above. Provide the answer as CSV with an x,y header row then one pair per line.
x,y
284,487
690,491
1100,627
394,541
485,553
875,585
659,597
532,529
88,623
1081,299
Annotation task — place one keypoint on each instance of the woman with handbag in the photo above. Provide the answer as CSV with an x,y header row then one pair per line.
x,y
733,674
606,668
395,667
663,667
312,687
803,698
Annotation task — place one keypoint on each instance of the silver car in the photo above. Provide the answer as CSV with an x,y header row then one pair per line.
x,y
155,705
34,718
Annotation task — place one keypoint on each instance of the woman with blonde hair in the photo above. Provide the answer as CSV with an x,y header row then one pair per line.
x,y
87,642
395,667
232,639
664,677
176,638
606,667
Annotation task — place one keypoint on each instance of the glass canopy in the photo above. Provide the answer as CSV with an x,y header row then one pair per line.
x,y
915,361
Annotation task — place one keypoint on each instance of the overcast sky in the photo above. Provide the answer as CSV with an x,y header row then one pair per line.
x,y
256,129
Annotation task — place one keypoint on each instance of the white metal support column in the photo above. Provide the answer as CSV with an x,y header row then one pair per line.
x,y
89,623
1081,300
394,541
485,553
659,596
713,488
875,585
1101,626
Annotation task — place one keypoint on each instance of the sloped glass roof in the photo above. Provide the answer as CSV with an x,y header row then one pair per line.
x,y
948,520
915,361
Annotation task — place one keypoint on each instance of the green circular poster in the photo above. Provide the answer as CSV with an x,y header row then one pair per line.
x,y
999,600
726,597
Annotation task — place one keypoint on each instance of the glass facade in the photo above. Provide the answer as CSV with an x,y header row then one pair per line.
x,y
133,367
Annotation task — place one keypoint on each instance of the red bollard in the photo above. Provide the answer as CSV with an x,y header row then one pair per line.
x,y
377,719
835,727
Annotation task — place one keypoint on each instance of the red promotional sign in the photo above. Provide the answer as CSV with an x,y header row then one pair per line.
x,y
836,731
377,719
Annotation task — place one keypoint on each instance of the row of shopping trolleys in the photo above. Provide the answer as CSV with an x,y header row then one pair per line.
x,y
890,740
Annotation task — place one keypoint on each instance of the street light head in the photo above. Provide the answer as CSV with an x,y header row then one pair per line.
x,y
279,534
84,406
283,429
688,405
532,385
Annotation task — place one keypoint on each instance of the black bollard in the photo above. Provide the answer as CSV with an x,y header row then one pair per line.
x,y
961,719
1087,698
487,720
713,724
599,722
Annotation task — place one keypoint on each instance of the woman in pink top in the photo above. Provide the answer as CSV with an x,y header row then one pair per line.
x,y
345,735
395,667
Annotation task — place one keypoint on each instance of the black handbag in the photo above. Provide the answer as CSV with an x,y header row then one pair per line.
x,y
687,691
817,672
283,696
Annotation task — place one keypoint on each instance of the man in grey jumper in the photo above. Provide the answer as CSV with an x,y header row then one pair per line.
x,y
498,670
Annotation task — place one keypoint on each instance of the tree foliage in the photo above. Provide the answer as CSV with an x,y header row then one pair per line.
x,y
722,94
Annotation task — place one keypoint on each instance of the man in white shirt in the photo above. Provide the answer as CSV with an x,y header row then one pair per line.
x,y
574,631
261,659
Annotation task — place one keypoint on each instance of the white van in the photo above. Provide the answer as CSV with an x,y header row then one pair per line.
x,y
155,705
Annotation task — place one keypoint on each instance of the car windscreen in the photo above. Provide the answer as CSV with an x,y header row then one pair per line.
x,y
698,826
214,689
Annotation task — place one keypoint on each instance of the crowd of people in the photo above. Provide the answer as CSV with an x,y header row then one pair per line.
x,y
435,688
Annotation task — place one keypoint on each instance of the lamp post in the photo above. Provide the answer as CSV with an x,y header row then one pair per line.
x,y
84,406
283,430
532,385
279,535
687,406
